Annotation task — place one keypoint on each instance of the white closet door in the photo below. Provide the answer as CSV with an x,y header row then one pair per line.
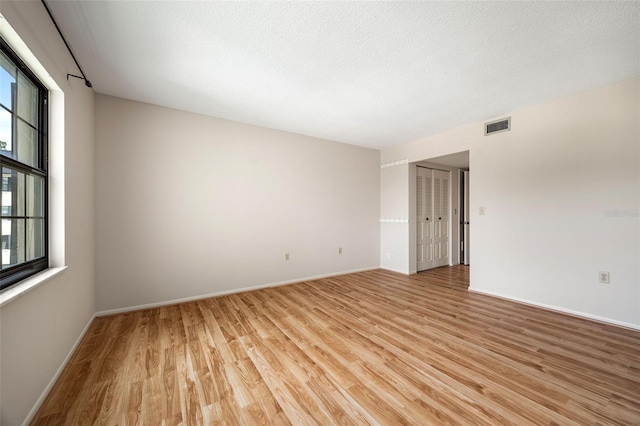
x,y
424,218
441,217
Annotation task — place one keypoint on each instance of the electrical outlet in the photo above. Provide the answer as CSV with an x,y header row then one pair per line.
x,y
604,277
286,256
482,210
339,250
388,255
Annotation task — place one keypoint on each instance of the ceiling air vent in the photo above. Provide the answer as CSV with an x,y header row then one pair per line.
x,y
502,125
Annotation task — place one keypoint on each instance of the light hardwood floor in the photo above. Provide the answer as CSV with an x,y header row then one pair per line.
x,y
367,348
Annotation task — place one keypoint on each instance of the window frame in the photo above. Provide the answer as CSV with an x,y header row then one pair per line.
x,y
14,274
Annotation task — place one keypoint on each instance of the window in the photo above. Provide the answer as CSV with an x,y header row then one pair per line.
x,y
23,164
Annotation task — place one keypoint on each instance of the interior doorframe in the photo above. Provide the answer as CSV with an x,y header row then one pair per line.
x,y
464,211
454,213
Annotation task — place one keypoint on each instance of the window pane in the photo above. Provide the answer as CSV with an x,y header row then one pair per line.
x,y
13,250
35,238
13,190
27,100
23,142
7,195
35,196
7,82
6,142
27,144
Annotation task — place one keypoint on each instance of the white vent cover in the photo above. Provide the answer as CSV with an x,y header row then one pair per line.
x,y
502,125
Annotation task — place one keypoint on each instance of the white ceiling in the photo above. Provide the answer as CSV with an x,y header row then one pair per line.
x,y
372,74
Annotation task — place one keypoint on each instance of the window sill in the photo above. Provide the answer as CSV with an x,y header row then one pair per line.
x,y
28,284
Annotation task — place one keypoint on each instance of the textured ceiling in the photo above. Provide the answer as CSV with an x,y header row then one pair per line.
x,y
366,73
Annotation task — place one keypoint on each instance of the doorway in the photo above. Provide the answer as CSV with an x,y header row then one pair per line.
x,y
422,233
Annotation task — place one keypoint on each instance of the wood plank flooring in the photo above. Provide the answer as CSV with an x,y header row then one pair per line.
x,y
368,348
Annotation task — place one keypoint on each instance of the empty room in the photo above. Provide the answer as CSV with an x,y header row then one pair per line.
x,y
320,212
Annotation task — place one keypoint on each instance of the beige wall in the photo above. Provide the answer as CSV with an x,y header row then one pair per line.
x,y
190,205
561,192
38,329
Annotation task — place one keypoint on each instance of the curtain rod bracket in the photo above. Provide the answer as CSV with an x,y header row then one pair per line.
x,y
86,82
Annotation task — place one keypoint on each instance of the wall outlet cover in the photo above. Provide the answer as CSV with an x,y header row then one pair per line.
x,y
604,277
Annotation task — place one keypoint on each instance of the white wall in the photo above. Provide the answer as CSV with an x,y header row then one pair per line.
x,y
548,187
394,206
189,205
38,329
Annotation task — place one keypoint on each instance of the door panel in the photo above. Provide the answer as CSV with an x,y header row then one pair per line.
x,y
436,203
424,218
466,218
441,216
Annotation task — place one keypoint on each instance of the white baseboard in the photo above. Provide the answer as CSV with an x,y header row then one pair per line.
x,y
56,376
226,292
578,314
393,270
